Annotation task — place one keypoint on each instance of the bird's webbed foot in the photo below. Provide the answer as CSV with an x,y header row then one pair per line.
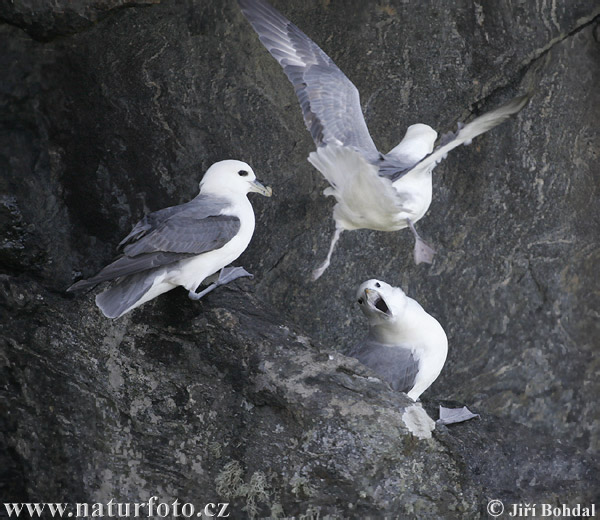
x,y
424,253
455,415
227,275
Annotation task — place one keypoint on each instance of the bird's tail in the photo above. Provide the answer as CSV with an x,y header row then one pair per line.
x,y
365,199
125,294
83,285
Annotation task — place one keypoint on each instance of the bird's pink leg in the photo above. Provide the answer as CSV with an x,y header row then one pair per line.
x,y
227,274
316,274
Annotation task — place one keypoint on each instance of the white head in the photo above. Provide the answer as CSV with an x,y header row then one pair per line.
x,y
421,132
234,177
381,302
416,143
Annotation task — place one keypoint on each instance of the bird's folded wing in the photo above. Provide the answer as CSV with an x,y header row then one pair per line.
x,y
330,102
200,207
148,223
396,364
168,238
125,266
468,132
182,234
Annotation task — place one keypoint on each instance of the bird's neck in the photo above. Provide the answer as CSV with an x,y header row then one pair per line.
x,y
240,207
391,332
223,192
414,327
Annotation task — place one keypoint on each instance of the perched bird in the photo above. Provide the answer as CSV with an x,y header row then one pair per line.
x,y
373,190
406,346
183,245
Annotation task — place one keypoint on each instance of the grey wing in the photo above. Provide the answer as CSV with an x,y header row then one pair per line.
x,y
329,100
148,223
124,266
466,134
184,234
200,207
396,364
192,230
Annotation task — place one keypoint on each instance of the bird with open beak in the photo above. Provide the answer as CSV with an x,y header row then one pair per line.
x,y
405,345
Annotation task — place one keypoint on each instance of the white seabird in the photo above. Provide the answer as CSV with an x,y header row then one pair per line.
x,y
406,346
183,245
385,192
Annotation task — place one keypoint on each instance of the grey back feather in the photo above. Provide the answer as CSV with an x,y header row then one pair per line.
x,y
394,167
394,363
329,100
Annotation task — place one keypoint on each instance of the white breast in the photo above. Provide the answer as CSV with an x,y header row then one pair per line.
x,y
414,192
190,273
425,336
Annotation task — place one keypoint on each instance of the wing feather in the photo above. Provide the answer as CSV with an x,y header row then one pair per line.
x,y
181,234
394,363
466,134
329,100
170,235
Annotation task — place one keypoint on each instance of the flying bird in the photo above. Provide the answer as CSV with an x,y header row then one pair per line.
x,y
406,346
183,245
374,190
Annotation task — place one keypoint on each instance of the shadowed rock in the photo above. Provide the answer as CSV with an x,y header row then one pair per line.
x,y
228,398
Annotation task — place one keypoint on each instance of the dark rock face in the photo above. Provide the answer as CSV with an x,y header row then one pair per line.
x,y
110,112
222,402
44,20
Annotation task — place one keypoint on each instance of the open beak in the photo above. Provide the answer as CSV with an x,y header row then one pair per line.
x,y
375,301
258,187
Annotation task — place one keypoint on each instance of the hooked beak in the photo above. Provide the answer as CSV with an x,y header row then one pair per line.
x,y
258,187
375,301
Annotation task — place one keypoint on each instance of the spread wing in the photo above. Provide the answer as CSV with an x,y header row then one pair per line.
x,y
329,100
394,363
450,141
170,235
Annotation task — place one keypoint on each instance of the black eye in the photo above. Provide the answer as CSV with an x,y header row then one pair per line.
x,y
377,284
360,300
242,173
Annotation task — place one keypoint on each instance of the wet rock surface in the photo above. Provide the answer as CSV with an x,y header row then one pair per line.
x,y
226,402
246,396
